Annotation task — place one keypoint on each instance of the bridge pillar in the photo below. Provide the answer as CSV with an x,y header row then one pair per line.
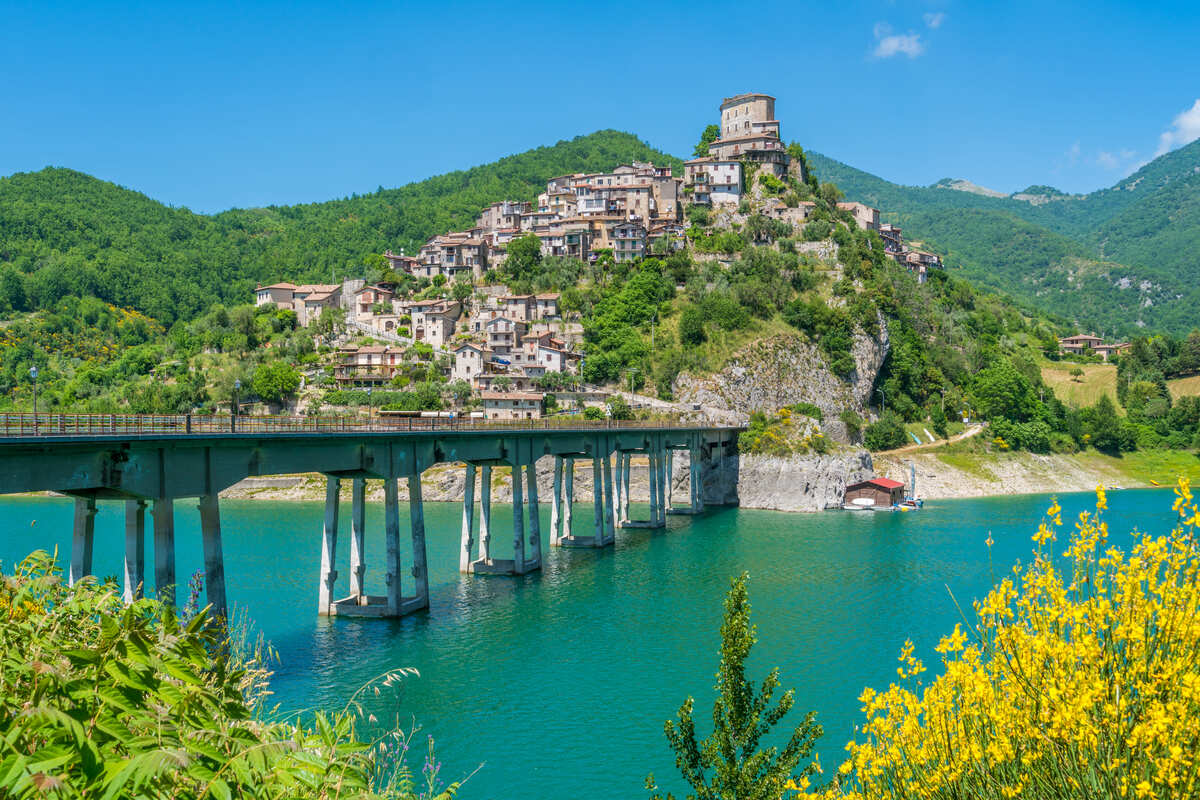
x,y
214,559
420,570
164,549
669,458
652,480
485,513
358,513
618,487
597,499
535,517
556,502
624,491
664,476
568,498
391,529
467,549
328,578
518,502
81,538
135,549
610,511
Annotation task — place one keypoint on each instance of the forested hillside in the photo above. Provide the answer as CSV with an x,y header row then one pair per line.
x,y
63,232
1117,260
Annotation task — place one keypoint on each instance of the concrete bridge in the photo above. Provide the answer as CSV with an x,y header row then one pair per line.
x,y
156,460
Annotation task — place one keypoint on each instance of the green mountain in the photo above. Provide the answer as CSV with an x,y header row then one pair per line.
x,y
64,232
1115,260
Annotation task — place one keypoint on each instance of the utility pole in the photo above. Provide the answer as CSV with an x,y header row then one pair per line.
x,y
33,373
883,404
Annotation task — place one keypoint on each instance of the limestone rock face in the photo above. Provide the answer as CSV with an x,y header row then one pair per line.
x,y
800,483
771,373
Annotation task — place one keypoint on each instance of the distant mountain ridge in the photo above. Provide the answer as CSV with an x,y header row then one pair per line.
x,y
1116,260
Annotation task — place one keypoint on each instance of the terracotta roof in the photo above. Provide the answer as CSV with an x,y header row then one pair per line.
x,y
548,296
278,286
883,483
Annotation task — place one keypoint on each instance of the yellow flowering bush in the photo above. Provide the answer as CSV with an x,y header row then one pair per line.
x,y
1080,679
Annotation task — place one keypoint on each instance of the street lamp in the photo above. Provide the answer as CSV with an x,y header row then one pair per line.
x,y
370,405
233,412
33,372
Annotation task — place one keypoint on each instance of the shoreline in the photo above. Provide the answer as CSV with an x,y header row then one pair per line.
x,y
940,475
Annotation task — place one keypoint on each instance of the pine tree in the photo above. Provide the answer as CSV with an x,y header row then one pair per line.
x,y
728,764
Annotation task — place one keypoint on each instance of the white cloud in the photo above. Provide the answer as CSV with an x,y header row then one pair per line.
x,y
1184,129
1107,160
1074,152
934,19
890,44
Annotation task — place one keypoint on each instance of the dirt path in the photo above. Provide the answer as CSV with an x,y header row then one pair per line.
x,y
915,448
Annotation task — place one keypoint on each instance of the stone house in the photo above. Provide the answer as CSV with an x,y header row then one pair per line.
x,y
511,405
370,365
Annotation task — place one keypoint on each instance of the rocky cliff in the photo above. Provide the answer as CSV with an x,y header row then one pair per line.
x,y
800,483
771,373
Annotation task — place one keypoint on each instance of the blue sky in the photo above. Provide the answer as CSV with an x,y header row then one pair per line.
x,y
219,105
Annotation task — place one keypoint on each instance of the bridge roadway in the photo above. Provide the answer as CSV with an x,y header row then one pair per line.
x,y
156,460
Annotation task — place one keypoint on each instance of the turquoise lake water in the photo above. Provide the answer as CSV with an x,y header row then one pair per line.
x,y
558,682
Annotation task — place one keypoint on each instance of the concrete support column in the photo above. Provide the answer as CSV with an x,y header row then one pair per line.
x,y
556,503
164,549
391,529
81,538
135,549
652,476
485,513
416,513
624,492
610,511
328,576
568,496
618,466
467,548
664,453
214,558
597,497
669,458
697,476
358,514
518,501
535,518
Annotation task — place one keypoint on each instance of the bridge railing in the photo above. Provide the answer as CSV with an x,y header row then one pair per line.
x,y
74,425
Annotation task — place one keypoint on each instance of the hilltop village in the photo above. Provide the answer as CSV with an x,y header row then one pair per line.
x,y
519,356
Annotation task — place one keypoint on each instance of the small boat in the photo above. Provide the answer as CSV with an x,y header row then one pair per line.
x,y
911,502
863,504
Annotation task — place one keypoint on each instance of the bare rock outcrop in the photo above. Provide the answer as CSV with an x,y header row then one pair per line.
x,y
771,373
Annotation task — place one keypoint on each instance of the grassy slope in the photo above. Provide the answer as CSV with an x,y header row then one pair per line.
x,y
1097,380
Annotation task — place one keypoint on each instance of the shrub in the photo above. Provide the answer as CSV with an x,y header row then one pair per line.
x,y
592,412
852,421
691,327
106,699
1077,678
808,410
887,433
